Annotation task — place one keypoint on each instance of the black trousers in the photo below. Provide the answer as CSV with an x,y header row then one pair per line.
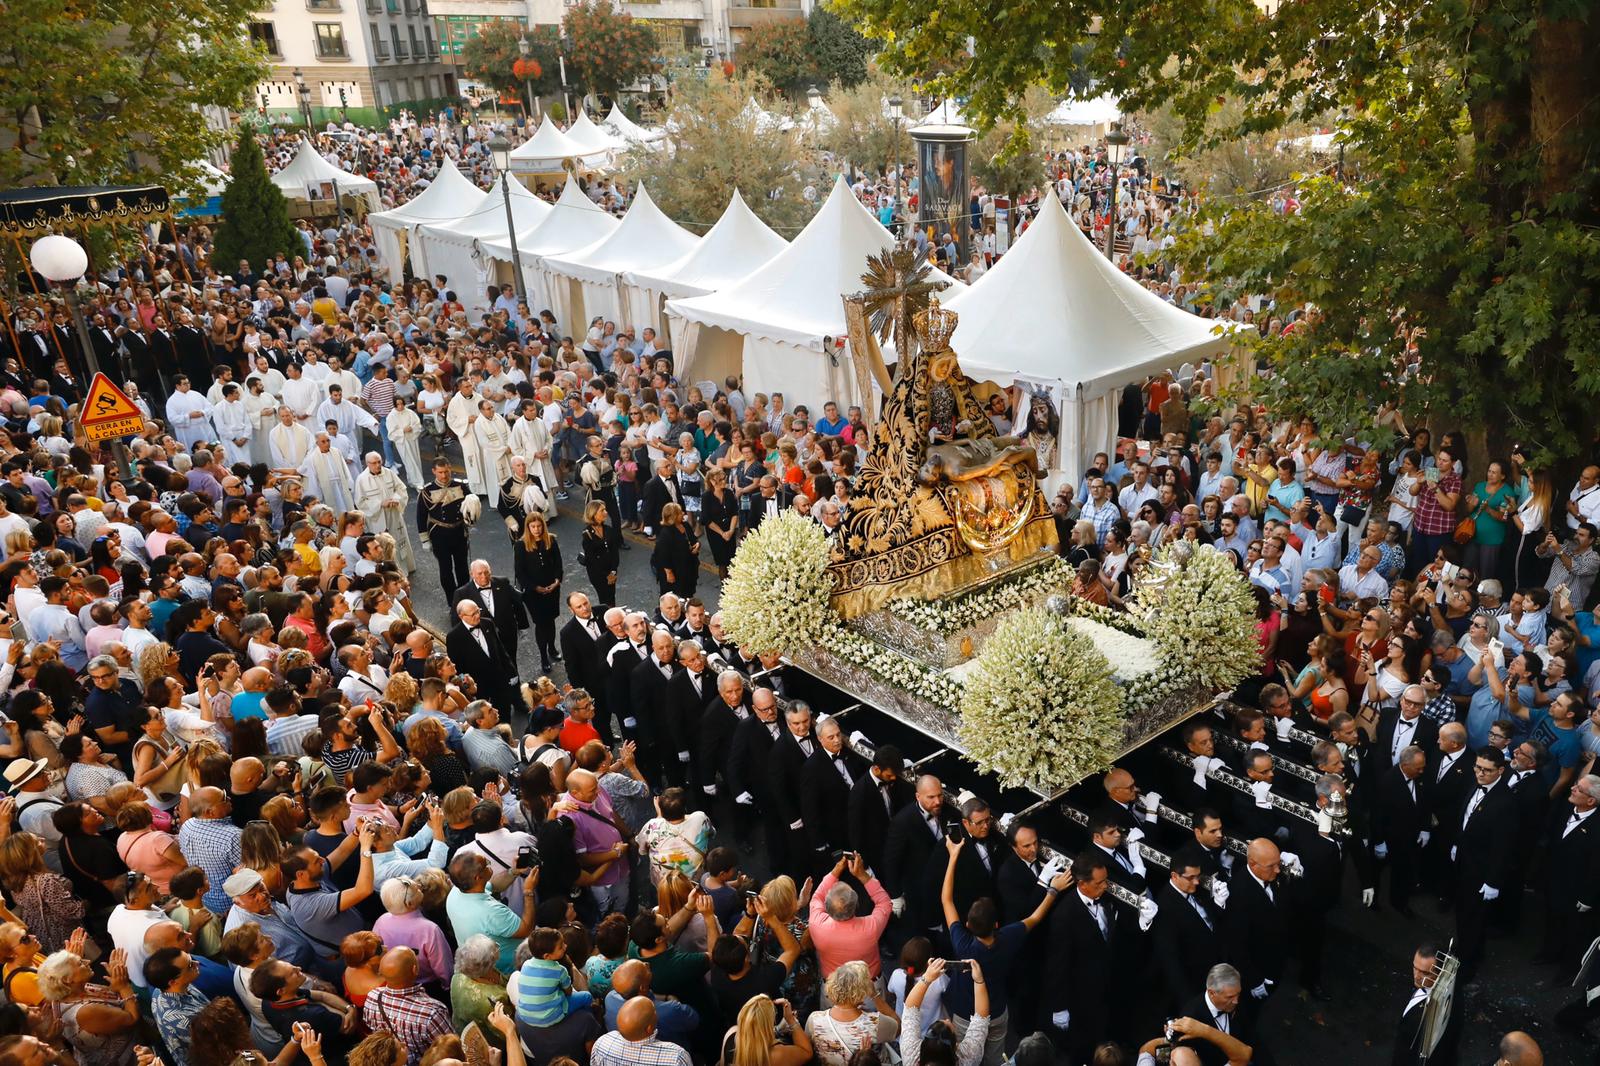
x,y
449,547
1472,923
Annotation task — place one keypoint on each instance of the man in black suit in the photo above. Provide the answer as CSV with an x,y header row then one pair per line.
x,y
876,797
621,660
687,695
1450,779
826,781
718,721
583,644
501,605
1282,717
1399,728
1408,1033
979,862
1085,940
1208,838
1316,891
1530,794
915,833
748,780
1132,810
1572,878
1255,928
1400,823
659,491
475,649
1195,788
1187,933
649,686
769,499
1123,863
1229,1016
1253,814
1485,828
1019,891
1250,730
189,346
795,744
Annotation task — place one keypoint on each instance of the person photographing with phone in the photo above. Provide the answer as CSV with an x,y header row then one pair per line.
x,y
838,934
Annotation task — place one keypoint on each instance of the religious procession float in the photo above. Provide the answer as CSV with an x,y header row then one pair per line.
x,y
942,600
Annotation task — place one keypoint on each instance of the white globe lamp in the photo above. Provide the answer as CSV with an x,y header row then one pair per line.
x,y
59,258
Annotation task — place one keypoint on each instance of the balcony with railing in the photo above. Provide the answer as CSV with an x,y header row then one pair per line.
x,y
401,50
324,5
745,14
374,7
380,51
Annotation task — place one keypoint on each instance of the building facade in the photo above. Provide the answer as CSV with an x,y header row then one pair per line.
x,y
362,58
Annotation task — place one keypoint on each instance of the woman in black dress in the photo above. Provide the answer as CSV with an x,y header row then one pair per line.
x,y
676,558
538,570
719,511
599,553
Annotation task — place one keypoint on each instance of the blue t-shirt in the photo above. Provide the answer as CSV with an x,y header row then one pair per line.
x,y
831,427
996,961
248,705
1565,745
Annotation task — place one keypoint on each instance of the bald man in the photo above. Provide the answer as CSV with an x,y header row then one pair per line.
x,y
675,1021
1449,779
915,834
634,1040
401,1007
216,978
1519,1049
1256,925
210,840
1132,811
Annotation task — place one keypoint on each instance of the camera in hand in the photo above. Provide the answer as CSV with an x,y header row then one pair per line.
x,y
527,857
955,832
958,965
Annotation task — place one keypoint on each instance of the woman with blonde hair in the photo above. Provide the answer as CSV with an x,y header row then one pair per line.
x,y
43,901
260,849
672,898
401,691
840,1031
677,554
788,907
755,1038
538,571
156,660
599,552
98,1021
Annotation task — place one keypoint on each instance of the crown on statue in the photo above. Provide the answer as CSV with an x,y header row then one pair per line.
x,y
935,326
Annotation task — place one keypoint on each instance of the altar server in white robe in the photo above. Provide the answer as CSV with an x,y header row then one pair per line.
x,y
270,376
262,407
381,496
301,395
530,437
351,417
233,424
189,414
289,443
327,476
345,446
494,447
461,415
405,435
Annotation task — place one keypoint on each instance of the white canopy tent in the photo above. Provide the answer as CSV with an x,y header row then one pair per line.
x,y
646,237
546,152
1054,315
948,113
1094,115
574,222
784,310
449,197
456,249
630,131
310,178
736,247
598,144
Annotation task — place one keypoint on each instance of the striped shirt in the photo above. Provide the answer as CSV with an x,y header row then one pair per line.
x,y
380,397
542,986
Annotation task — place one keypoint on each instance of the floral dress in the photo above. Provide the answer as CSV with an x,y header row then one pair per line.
x,y
800,987
680,847
46,904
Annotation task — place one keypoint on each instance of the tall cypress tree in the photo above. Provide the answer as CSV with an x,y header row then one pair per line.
x,y
255,215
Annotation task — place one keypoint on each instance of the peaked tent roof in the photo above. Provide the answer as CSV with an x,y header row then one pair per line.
x,y
486,220
545,149
449,197
573,222
948,113
795,297
736,247
591,138
629,130
1075,112
1054,309
308,167
645,237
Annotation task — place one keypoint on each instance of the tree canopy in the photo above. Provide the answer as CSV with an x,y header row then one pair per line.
x,y
490,56
794,55
255,216
607,48
1471,239
115,93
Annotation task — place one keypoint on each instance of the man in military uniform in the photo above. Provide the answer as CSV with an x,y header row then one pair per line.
x,y
445,511
600,479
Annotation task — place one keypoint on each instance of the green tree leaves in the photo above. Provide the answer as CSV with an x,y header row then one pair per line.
x,y
255,215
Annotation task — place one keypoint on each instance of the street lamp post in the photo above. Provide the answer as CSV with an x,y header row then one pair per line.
x,y
561,65
304,91
500,152
344,107
1116,144
1344,116
525,49
896,113
62,261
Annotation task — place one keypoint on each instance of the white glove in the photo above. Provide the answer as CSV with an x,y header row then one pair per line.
x,y
1147,914
859,739
1219,893
897,906
1136,861
1291,862
515,680
710,790
1060,1019
630,723
1344,749
797,825
1227,860
1423,838
1260,991
1150,801
1381,851
744,799
1201,765
1452,853
1324,822
1583,908
1135,835
1489,893
1261,790
683,756
1367,896
1283,726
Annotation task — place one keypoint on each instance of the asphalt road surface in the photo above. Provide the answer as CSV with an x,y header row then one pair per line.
x,y
1367,968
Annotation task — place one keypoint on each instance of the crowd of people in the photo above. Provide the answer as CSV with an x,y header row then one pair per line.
x,y
259,809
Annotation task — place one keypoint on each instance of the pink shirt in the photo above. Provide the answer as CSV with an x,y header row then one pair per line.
x,y
855,940
593,832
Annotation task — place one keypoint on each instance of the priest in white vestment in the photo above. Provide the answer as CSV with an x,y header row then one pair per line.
x,y
381,497
494,447
327,477
461,415
233,424
289,443
189,415
262,407
301,395
530,438
351,417
405,435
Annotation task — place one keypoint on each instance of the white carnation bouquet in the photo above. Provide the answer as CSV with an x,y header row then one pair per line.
x,y
1202,616
776,594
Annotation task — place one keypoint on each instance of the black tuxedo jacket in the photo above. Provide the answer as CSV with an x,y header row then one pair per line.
x,y
648,699
509,615
869,819
492,672
825,798
1241,1025
1018,889
1118,873
1532,796
621,659
1082,960
680,720
1424,733
585,656
1397,817
783,773
1255,929
1185,946
656,495
747,760
1447,794
758,506
1317,891
1572,861
1485,842
973,880
718,722
906,853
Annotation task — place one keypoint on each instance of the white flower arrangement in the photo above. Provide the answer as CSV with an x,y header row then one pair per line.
x,y
1130,656
936,686
959,612
1202,618
1041,708
776,594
